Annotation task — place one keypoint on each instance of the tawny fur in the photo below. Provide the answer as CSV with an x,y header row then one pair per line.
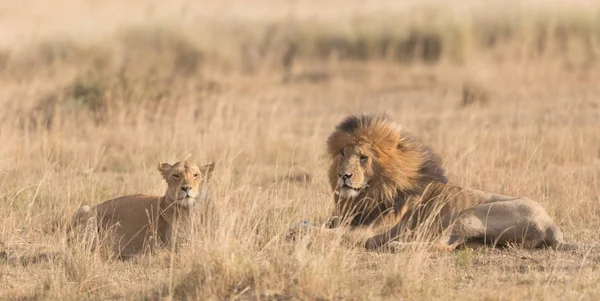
x,y
378,170
134,223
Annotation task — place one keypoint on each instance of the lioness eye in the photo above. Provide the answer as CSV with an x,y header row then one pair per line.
x,y
176,176
363,158
196,175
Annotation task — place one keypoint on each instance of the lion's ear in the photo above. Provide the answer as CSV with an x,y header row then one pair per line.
x,y
401,145
207,170
164,168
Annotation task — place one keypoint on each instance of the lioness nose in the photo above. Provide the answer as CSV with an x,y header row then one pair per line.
x,y
346,176
186,188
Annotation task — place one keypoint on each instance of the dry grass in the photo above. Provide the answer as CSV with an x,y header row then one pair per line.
x,y
88,110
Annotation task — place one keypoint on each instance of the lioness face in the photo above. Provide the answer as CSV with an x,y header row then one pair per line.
x,y
355,170
184,179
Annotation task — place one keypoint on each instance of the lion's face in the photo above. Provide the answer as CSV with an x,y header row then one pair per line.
x,y
184,179
355,170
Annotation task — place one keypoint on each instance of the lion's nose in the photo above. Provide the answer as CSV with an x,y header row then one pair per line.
x,y
345,176
186,188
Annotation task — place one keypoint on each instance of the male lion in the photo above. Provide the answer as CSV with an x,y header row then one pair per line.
x,y
378,170
133,222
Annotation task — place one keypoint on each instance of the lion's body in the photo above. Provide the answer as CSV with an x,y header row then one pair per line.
x,y
466,216
134,223
378,170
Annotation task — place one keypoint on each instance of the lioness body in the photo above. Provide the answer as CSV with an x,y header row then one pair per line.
x,y
136,222
130,224
379,170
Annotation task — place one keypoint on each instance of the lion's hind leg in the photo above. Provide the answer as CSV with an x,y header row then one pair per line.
x,y
467,230
488,224
518,221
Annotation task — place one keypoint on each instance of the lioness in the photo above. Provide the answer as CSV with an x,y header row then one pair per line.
x,y
378,170
132,222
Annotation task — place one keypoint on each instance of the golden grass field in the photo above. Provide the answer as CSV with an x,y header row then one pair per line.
x,y
94,93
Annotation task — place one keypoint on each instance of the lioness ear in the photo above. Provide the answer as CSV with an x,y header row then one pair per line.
x,y
164,168
207,170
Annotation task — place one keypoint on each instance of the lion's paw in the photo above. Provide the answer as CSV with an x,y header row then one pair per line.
x,y
296,229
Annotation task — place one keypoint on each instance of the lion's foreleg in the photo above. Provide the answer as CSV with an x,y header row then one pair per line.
x,y
333,222
346,235
380,240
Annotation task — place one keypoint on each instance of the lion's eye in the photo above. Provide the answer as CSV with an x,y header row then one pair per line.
x,y
342,152
176,176
364,158
196,175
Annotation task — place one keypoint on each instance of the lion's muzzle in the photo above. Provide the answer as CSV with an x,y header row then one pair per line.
x,y
349,189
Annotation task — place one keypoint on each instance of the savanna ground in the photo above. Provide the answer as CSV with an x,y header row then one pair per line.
x,y
94,94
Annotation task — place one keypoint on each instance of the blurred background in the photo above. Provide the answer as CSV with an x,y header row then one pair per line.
x,y
108,54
